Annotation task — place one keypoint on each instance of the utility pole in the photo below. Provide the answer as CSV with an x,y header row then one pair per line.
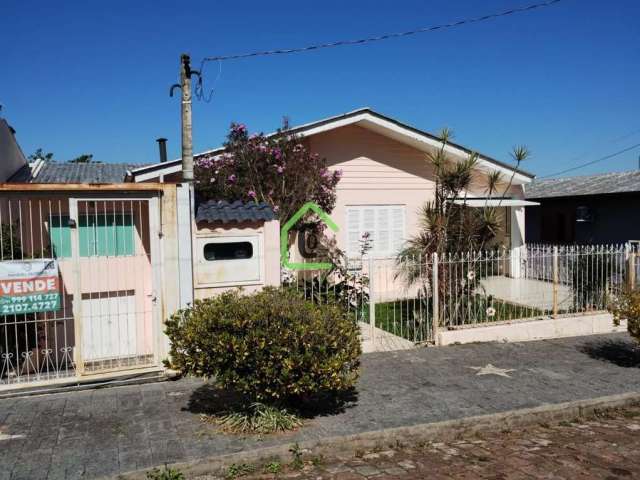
x,y
187,139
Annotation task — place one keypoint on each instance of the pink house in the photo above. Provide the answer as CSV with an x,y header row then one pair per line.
x,y
386,179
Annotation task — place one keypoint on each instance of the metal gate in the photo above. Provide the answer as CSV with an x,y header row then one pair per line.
x,y
102,315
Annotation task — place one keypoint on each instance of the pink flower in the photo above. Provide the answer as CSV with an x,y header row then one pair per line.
x,y
277,153
276,208
280,169
252,194
232,178
238,127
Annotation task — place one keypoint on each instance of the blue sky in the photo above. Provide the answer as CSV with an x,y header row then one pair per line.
x,y
93,77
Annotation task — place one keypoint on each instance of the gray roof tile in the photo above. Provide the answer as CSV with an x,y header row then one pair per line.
x,y
606,183
219,211
57,172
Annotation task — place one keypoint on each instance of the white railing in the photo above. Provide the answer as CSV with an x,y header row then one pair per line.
x,y
402,297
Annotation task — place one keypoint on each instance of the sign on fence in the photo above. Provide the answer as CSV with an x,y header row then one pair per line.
x,y
29,286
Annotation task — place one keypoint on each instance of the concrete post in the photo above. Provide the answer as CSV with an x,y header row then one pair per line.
x,y
631,270
435,323
555,282
517,240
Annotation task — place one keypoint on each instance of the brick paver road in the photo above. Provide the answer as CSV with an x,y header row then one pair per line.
x,y
106,432
605,447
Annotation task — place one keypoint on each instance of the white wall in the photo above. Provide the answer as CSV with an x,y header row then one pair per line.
x,y
11,156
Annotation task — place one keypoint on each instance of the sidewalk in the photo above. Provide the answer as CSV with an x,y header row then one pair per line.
x,y
105,432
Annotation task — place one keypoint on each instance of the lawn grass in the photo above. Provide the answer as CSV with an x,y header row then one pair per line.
x,y
411,319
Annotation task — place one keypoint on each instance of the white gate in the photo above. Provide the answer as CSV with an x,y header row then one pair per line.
x,y
107,315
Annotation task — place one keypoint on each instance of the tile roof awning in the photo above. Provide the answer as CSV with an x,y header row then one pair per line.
x,y
495,202
220,211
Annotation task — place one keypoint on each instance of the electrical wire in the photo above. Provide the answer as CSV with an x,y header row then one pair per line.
x,y
601,159
199,90
378,38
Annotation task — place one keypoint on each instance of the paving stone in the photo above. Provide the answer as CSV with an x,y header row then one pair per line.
x,y
367,470
143,425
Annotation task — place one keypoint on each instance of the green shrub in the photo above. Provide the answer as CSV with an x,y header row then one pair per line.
x,y
627,307
257,418
272,346
167,473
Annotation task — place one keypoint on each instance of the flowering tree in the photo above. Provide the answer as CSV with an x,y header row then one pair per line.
x,y
278,170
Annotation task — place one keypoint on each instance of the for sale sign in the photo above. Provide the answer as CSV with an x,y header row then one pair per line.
x,y
28,286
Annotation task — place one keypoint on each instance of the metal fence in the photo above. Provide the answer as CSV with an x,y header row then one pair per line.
x,y
409,299
97,255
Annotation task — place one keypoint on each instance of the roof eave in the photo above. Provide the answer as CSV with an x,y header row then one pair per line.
x,y
367,117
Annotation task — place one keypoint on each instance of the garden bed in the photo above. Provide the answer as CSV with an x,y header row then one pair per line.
x,y
411,318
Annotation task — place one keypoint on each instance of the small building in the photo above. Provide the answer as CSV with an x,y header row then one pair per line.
x,y
592,209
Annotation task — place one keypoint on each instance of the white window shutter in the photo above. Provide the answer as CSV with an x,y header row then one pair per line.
x,y
397,232
353,231
382,230
384,223
369,224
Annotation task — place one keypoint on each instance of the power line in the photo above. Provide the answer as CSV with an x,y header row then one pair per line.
x,y
386,36
601,159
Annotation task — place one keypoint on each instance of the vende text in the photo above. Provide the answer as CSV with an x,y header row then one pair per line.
x,y
24,286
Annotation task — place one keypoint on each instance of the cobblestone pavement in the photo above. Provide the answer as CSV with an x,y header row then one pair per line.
x,y
104,432
605,447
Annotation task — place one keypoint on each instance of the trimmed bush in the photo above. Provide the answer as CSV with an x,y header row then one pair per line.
x,y
272,346
627,307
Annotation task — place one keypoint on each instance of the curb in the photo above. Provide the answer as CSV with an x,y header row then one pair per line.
x,y
441,431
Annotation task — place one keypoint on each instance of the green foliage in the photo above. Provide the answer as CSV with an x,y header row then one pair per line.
x,y
39,154
273,467
236,470
271,346
448,227
167,473
627,307
10,244
84,158
259,418
297,462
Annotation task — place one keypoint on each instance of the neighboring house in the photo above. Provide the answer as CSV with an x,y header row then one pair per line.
x,y
593,209
386,178
41,171
11,157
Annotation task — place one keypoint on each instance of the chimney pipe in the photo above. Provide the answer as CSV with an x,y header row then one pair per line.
x,y
162,146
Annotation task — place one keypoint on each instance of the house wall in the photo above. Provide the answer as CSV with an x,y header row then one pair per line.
x,y
11,156
209,277
615,219
381,171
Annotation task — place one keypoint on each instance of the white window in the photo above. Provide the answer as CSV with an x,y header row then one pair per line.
x,y
385,225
